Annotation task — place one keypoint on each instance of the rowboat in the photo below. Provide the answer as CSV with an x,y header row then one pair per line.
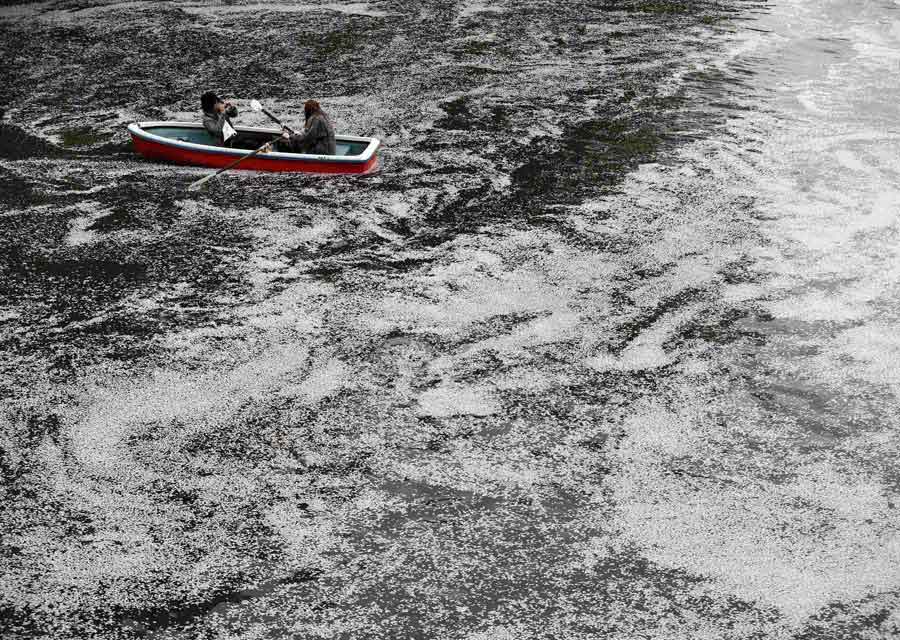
x,y
189,143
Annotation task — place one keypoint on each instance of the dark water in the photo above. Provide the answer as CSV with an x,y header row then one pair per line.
x,y
607,349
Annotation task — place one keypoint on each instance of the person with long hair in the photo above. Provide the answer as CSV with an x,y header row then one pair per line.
x,y
317,136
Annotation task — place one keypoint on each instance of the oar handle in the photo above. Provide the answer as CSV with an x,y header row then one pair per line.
x,y
277,121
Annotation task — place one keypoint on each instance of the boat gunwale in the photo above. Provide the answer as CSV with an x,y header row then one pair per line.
x,y
139,129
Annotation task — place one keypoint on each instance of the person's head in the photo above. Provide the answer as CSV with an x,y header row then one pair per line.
x,y
208,101
310,107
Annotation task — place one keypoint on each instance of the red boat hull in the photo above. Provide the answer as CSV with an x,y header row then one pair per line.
x,y
168,153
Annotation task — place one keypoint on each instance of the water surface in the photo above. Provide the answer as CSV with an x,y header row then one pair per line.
x,y
606,350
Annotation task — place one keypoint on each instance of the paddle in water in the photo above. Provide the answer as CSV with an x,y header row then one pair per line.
x,y
256,106
199,183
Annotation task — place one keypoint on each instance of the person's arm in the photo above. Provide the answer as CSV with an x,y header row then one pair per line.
x,y
214,124
298,138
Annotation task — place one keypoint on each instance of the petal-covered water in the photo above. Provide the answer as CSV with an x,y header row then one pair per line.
x,y
607,349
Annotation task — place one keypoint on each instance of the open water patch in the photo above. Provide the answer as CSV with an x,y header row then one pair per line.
x,y
508,385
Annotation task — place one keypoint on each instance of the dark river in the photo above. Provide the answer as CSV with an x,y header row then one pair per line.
x,y
608,349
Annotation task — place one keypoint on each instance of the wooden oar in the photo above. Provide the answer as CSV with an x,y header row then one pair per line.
x,y
256,106
199,183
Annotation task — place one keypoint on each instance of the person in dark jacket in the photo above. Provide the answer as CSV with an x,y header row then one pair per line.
x,y
317,136
217,116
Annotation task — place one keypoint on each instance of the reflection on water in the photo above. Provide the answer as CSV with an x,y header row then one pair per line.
x,y
607,350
